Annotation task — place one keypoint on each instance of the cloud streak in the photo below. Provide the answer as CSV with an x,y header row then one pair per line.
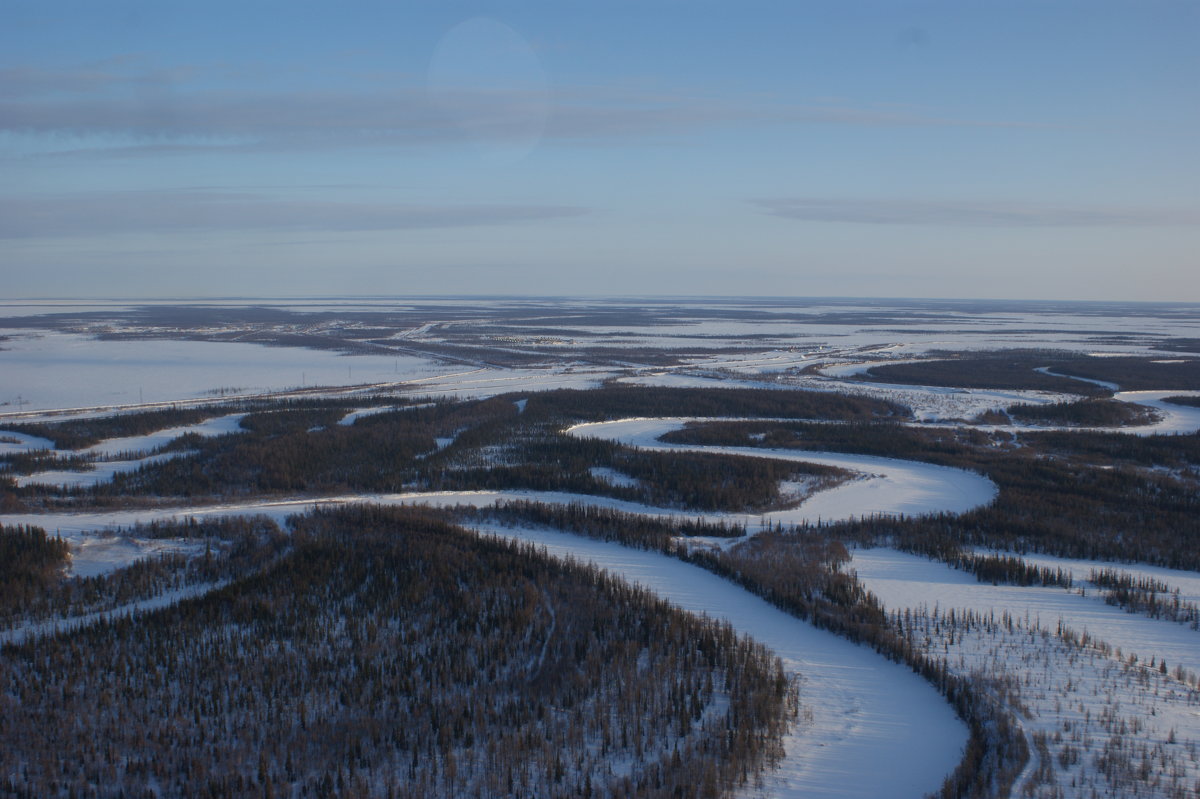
x,y
201,211
158,113
968,213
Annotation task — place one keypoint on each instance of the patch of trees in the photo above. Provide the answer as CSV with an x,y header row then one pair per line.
x,y
1191,402
1114,449
1065,509
1180,345
1146,595
605,524
887,439
41,460
1133,373
1015,369
302,450
390,654
30,562
233,547
702,481
80,433
1009,570
1009,369
1109,509
618,401
1085,413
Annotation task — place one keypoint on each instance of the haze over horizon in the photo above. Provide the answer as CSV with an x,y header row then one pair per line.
x,y
1024,150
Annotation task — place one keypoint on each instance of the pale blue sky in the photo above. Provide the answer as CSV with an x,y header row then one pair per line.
x,y
942,149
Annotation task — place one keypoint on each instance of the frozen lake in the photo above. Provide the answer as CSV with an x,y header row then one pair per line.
x,y
47,370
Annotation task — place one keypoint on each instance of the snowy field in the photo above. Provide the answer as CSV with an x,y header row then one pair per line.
x,y
1107,699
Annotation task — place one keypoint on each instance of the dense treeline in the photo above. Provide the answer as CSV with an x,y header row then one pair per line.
x,y
1178,452
390,654
618,401
1191,402
605,524
41,460
1015,369
72,434
30,561
1009,570
1109,509
702,481
1087,413
1133,373
886,439
305,450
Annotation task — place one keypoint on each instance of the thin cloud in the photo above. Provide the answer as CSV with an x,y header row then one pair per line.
x,y
158,112
185,210
968,214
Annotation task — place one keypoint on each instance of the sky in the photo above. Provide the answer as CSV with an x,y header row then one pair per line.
x,y
973,148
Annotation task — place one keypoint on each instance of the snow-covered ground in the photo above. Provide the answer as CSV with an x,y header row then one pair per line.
x,y
1099,692
902,580
613,477
11,442
94,555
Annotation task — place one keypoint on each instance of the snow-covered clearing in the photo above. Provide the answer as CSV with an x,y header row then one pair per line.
x,y
1106,698
11,442
901,580
1092,722
92,556
210,428
613,477
1093,714
101,472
